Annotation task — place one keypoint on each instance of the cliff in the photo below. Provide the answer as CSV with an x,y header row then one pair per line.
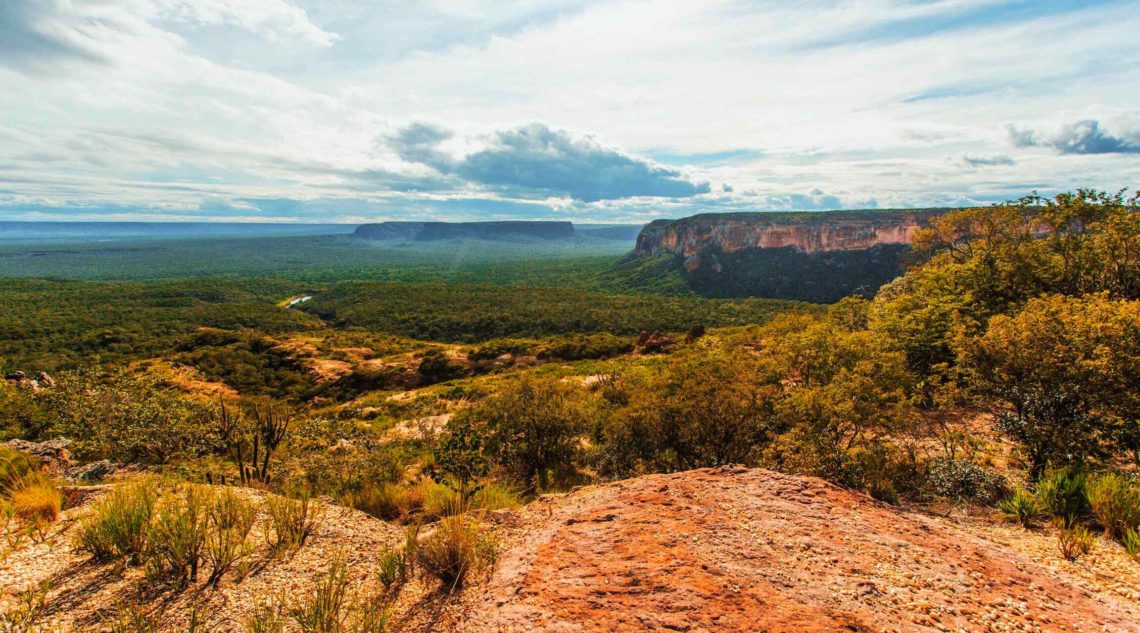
x,y
809,256
434,231
808,232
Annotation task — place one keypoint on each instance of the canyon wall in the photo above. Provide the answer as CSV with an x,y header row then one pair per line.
x,y
807,232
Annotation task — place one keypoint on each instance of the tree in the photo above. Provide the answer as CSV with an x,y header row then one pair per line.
x,y
1064,371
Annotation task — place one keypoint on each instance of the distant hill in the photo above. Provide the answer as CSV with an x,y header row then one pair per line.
x,y
434,231
809,256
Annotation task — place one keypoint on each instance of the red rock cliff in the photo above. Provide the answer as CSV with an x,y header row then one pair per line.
x,y
810,232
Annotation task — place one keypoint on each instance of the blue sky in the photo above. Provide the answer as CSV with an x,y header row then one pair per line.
x,y
349,111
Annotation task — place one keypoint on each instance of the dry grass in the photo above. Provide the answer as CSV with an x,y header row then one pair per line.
x,y
458,548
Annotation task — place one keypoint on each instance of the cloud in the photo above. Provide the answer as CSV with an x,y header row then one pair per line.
x,y
976,161
538,158
272,19
1086,136
35,34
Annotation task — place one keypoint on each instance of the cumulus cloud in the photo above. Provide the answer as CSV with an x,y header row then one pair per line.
x,y
1087,136
539,158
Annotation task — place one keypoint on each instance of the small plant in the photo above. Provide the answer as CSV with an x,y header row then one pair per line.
x,y
333,607
15,466
1074,540
457,548
266,618
1131,543
292,521
1116,503
177,535
118,524
1061,493
230,520
495,496
29,606
1021,507
397,565
382,501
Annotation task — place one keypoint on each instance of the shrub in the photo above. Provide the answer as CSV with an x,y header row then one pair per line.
x,y
177,535
963,480
118,524
458,547
265,619
1020,506
292,521
1061,493
1131,542
29,607
230,519
1074,540
1116,503
37,502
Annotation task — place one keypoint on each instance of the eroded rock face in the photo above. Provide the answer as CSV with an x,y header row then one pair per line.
x,y
808,232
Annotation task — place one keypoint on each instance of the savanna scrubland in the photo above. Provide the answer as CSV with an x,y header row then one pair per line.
x,y
995,380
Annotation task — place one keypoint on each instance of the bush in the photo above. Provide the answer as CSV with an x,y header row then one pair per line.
x,y
177,535
1115,501
1020,507
397,565
494,496
118,524
382,501
963,480
458,548
1061,493
1074,541
292,521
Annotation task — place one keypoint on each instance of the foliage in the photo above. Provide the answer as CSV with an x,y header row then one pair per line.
x,y
1115,501
477,313
118,524
36,501
1074,541
1064,369
1061,493
30,604
964,480
458,547
230,519
15,466
1020,506
667,424
125,416
178,534
530,429
331,607
1131,543
292,521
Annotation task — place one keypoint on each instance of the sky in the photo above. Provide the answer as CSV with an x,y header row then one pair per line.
x,y
607,111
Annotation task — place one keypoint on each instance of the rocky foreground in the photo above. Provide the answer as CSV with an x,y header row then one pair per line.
x,y
727,549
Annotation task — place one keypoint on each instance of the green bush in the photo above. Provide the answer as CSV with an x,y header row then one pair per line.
x,y
1115,501
119,523
1061,493
963,480
1020,506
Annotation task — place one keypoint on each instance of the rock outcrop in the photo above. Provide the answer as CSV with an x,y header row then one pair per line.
x,y
808,232
811,256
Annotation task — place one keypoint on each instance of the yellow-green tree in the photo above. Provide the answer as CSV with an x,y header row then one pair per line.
x,y
1064,371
